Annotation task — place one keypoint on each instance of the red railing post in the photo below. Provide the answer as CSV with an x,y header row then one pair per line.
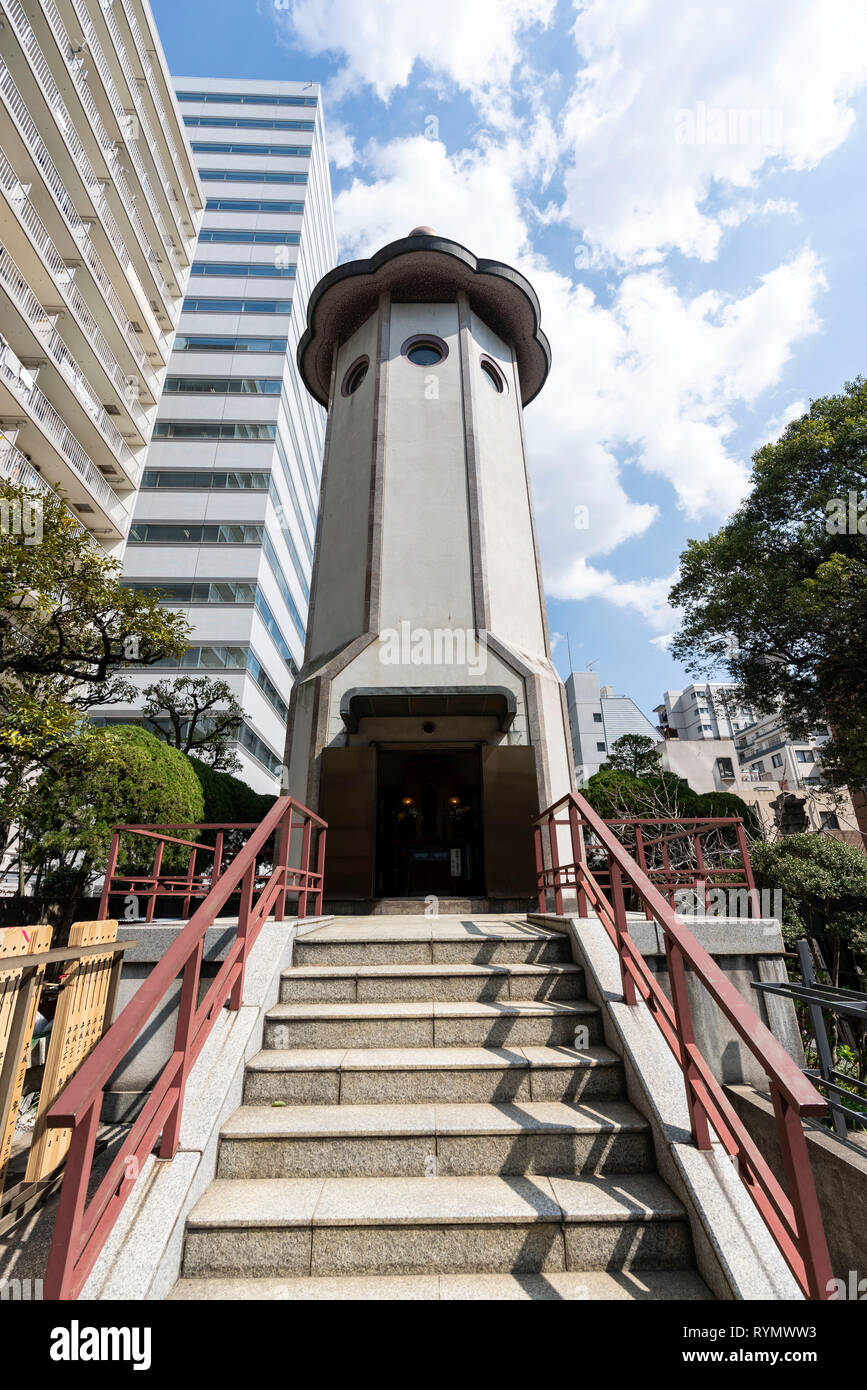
x,y
109,875
540,868
305,867
622,930
65,1242
244,922
183,1049
218,858
666,864
639,849
282,840
555,866
191,873
755,906
700,866
579,856
812,1244
686,1039
156,867
320,871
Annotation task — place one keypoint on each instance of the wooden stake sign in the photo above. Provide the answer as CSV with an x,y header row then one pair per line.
x,y
19,1004
78,1026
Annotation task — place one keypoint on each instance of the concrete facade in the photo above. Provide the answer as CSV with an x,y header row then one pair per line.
x,y
100,205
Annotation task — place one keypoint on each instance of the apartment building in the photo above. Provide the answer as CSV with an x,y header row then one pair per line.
x,y
766,751
597,719
780,778
100,206
706,710
226,517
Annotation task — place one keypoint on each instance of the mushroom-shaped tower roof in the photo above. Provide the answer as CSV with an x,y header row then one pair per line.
x,y
423,267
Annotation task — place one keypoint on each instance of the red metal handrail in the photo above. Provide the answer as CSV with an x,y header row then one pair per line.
x,y
82,1226
794,1222
654,836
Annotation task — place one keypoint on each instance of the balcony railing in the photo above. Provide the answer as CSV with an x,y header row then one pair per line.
x,y
45,164
153,90
132,84
65,283
15,468
65,125
43,328
106,143
61,437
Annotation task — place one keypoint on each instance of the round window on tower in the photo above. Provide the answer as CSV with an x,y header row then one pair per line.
x,y
425,350
355,376
493,376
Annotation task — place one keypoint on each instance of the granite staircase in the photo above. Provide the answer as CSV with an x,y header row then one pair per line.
x,y
434,1115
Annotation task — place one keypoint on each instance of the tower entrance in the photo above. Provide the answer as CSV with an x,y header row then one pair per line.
x,y
429,823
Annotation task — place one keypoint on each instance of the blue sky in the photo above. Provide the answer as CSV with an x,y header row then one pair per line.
x,y
684,185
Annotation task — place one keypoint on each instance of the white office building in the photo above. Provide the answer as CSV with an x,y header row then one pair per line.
x,y
597,719
708,710
100,207
226,517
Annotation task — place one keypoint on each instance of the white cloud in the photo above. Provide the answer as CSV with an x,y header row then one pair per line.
x,y
663,642
677,100
340,144
475,45
775,426
648,597
413,182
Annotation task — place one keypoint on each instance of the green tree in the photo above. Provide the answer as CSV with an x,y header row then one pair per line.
x,y
64,613
779,594
824,888
198,715
227,798
229,801
634,753
67,629
107,776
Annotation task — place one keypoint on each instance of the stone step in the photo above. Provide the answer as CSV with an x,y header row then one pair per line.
x,y
393,1076
416,1024
451,942
394,1226
443,983
430,1141
650,1285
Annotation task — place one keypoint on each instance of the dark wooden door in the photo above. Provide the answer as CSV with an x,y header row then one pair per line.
x,y
347,801
510,801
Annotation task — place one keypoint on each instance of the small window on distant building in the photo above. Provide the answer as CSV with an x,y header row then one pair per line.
x,y
777,760
760,768
804,755
725,769
597,719
600,748
705,728
829,820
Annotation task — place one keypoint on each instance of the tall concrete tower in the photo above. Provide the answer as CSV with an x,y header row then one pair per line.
x,y
428,724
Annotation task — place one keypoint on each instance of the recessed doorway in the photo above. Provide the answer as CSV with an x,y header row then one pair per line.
x,y
429,836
